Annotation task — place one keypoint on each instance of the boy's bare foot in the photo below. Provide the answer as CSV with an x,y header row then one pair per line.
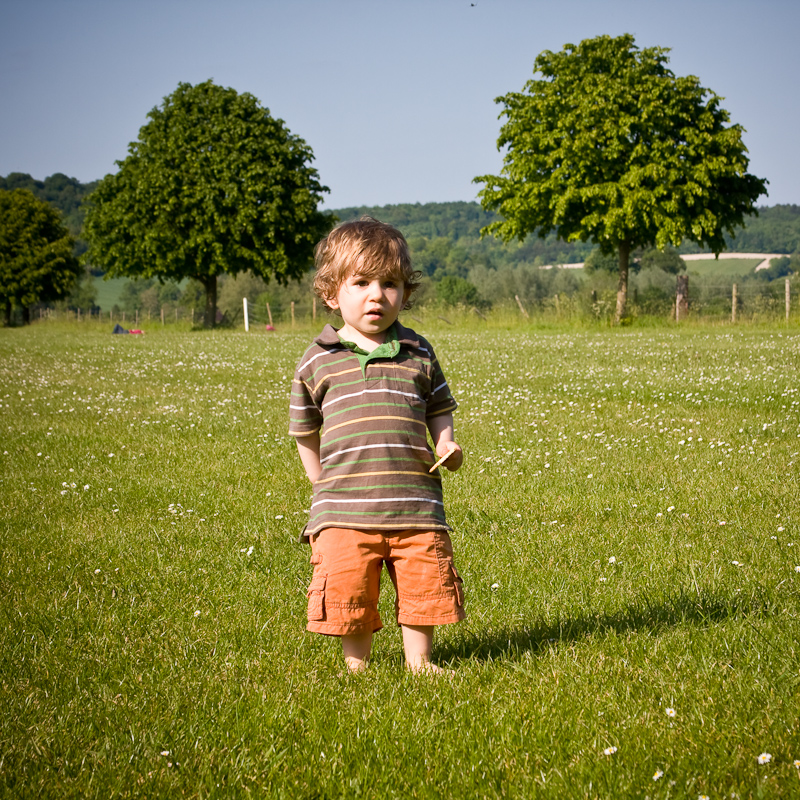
x,y
356,664
356,649
424,667
417,643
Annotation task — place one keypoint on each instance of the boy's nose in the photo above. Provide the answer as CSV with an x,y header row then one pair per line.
x,y
375,290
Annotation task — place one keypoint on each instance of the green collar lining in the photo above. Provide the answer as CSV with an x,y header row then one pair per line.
x,y
389,349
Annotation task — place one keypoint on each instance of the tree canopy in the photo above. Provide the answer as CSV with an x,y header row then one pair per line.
x,y
214,184
36,253
607,144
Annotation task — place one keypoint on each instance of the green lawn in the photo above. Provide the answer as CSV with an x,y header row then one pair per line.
x,y
627,523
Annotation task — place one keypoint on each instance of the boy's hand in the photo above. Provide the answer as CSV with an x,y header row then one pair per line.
x,y
456,458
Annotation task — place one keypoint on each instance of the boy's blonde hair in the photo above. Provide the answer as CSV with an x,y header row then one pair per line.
x,y
365,247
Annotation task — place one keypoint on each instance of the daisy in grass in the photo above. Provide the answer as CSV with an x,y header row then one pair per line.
x,y
764,758
609,751
658,774
671,713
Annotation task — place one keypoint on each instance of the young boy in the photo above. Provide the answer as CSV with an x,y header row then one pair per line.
x,y
363,399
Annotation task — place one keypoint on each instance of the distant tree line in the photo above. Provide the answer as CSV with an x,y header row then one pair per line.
x,y
447,236
64,193
460,267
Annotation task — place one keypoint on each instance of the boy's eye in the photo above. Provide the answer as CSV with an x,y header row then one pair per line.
x,y
390,284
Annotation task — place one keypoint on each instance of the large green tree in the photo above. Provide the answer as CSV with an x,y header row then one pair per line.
x,y
214,184
606,144
36,253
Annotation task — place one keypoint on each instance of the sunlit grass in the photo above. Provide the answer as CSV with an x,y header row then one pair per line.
x,y
626,523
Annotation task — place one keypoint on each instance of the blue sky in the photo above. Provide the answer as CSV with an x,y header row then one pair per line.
x,y
395,97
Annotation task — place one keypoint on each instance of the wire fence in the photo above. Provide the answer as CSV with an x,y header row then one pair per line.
x,y
749,301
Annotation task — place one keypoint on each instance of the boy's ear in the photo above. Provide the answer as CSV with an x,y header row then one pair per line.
x,y
332,302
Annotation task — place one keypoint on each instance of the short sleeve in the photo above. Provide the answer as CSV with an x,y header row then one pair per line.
x,y
305,416
440,400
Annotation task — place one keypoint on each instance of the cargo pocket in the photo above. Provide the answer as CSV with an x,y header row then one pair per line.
x,y
316,599
458,584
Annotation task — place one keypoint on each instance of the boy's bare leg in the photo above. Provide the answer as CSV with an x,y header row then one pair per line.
x,y
356,648
418,642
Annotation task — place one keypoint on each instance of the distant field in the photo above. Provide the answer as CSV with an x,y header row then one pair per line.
x,y
108,291
725,266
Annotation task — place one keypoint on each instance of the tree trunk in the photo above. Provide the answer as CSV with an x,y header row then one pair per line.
x,y
622,286
210,285
7,313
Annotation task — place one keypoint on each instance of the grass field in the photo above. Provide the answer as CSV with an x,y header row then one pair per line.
x,y
627,524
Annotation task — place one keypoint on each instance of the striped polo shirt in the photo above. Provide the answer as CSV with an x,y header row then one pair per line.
x,y
372,413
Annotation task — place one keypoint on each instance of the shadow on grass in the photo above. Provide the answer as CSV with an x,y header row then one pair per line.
x,y
642,615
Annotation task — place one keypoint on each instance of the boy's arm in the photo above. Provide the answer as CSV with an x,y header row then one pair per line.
x,y
308,447
441,428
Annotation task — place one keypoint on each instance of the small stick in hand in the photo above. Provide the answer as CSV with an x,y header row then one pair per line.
x,y
442,459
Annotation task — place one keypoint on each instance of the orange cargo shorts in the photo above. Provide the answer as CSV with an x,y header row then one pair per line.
x,y
344,590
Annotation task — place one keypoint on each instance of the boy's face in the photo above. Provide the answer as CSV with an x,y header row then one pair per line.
x,y
368,306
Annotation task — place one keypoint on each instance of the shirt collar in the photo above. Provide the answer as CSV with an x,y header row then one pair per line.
x,y
405,335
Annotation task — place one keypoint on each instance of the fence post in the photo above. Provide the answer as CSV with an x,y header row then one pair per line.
x,y
682,297
314,308
788,301
733,304
246,318
162,315
558,305
521,307
269,315
293,313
